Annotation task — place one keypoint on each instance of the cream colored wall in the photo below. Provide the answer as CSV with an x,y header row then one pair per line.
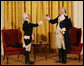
x,y
2,23
2,14
78,16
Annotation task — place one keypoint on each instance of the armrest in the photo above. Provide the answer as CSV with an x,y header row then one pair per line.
x,y
80,46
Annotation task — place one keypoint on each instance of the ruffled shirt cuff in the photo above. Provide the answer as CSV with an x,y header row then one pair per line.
x,y
63,30
41,22
48,18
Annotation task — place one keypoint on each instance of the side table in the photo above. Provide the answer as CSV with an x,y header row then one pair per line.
x,y
40,48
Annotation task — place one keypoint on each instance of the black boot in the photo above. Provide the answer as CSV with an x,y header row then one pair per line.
x,y
64,57
26,57
27,60
60,56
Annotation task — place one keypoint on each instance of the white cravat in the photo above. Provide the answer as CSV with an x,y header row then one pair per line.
x,y
61,18
41,22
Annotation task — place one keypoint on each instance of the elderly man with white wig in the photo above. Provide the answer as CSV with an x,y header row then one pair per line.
x,y
28,29
62,33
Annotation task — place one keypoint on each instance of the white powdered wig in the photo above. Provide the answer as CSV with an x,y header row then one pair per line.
x,y
63,10
25,15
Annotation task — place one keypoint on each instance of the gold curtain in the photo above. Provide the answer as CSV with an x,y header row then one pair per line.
x,y
14,10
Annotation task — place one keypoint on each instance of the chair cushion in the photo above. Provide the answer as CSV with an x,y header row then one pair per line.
x,y
10,37
11,49
14,53
73,36
76,48
75,52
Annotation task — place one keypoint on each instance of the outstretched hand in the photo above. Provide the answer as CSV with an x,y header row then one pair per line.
x,y
43,19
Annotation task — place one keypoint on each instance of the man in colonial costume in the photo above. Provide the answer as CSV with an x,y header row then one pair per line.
x,y
27,39
62,33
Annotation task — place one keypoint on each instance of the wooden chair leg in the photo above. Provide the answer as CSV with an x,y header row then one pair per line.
x,y
46,55
79,57
34,54
4,57
7,58
18,56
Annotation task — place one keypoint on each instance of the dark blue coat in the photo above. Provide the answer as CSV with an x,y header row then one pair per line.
x,y
28,28
67,24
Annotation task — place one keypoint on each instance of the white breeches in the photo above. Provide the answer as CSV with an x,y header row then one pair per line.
x,y
27,47
60,41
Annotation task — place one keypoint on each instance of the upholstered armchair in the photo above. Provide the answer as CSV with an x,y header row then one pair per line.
x,y
75,40
9,38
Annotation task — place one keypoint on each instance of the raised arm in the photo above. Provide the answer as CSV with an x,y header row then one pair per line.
x,y
39,23
52,21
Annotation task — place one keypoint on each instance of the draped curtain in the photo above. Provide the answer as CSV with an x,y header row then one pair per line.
x,y
13,17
